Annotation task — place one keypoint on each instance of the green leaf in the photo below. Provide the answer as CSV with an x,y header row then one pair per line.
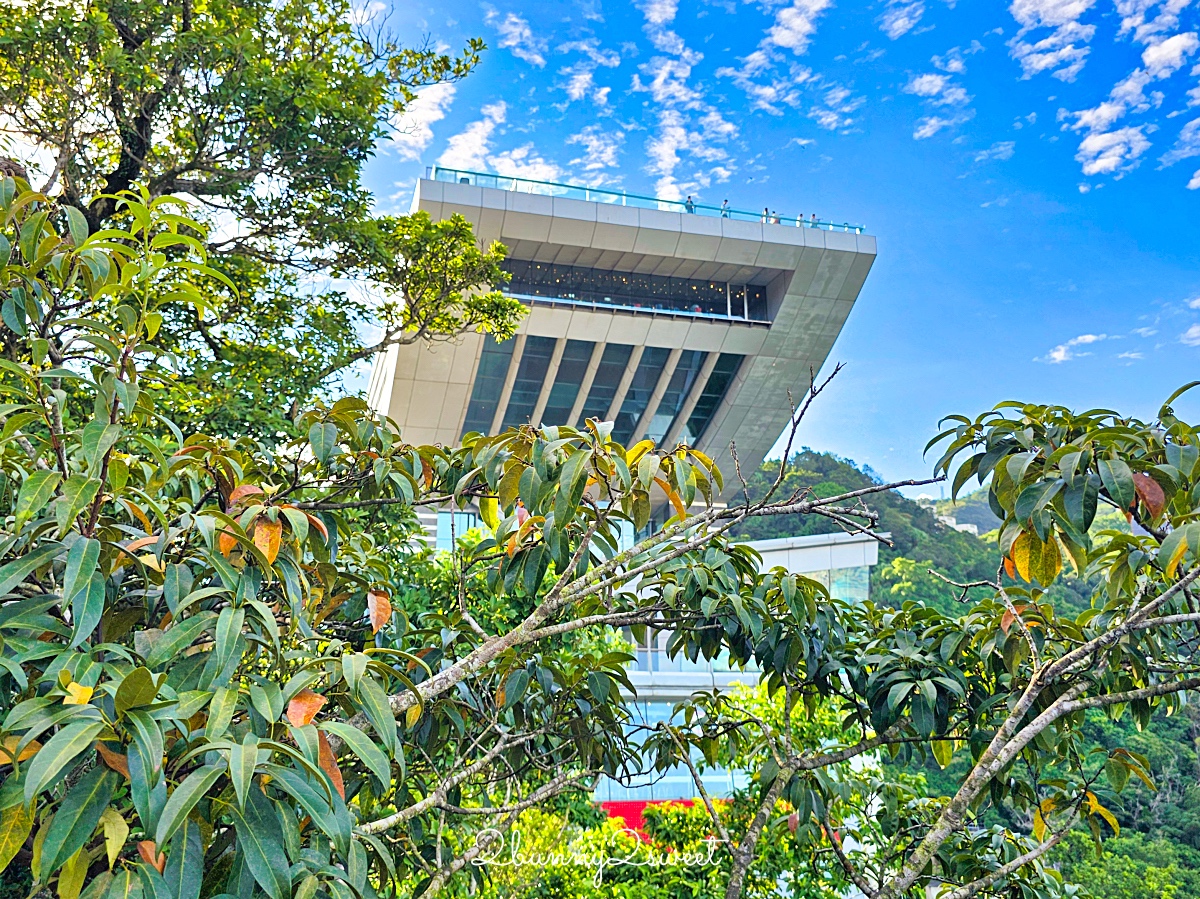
x,y
1080,500
87,609
185,862
1118,481
138,688
260,840
243,759
62,749
360,744
181,802
76,224
77,493
36,490
19,569
322,437
220,712
76,818
179,637
98,438
16,822
375,704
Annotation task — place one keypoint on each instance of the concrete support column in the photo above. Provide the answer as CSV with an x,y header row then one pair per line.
x,y
509,379
535,418
585,386
660,388
623,388
693,397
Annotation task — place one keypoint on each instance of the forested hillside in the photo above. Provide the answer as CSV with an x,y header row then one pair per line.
x,y
1158,851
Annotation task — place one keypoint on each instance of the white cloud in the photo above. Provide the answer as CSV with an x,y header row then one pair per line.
x,y
901,18
1062,52
952,60
1165,57
930,125
469,148
1145,332
939,89
796,24
524,162
412,131
1129,355
1186,146
580,76
1191,336
1106,152
517,36
1133,17
1194,183
1001,151
1065,352
601,146
1194,303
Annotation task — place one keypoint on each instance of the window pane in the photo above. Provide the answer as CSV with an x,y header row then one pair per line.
x,y
489,382
565,391
604,385
638,396
676,394
714,391
531,375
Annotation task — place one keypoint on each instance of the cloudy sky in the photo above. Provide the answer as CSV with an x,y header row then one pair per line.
x,y
1031,171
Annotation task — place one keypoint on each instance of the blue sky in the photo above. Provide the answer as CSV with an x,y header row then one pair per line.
x,y
1031,171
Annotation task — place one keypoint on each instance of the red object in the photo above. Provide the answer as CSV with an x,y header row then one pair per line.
x,y
631,811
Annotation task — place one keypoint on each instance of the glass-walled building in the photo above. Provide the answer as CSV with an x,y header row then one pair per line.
x,y
674,325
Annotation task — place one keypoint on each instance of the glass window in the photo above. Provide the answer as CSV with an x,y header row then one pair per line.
x,y
657,292
676,393
604,386
710,398
565,391
640,388
851,584
527,386
489,382
452,525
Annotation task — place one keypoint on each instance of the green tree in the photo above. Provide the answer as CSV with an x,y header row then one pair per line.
x,y
205,686
266,113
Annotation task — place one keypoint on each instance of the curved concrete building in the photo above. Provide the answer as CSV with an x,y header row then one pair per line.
x,y
674,324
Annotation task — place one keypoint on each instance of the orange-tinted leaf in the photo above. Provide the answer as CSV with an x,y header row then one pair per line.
x,y
522,512
151,856
136,511
512,545
242,491
266,537
319,525
1009,568
226,542
1150,492
140,542
10,746
114,760
304,707
413,715
379,608
676,500
328,763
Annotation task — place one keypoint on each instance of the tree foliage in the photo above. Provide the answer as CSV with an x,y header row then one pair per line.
x,y
266,114
213,683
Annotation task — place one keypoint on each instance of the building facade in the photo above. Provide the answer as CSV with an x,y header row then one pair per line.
x,y
842,562
673,324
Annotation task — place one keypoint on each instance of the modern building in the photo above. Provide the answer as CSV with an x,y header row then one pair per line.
x,y
676,325
840,561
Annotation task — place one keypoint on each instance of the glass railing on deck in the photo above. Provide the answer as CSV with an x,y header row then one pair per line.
x,y
624,198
